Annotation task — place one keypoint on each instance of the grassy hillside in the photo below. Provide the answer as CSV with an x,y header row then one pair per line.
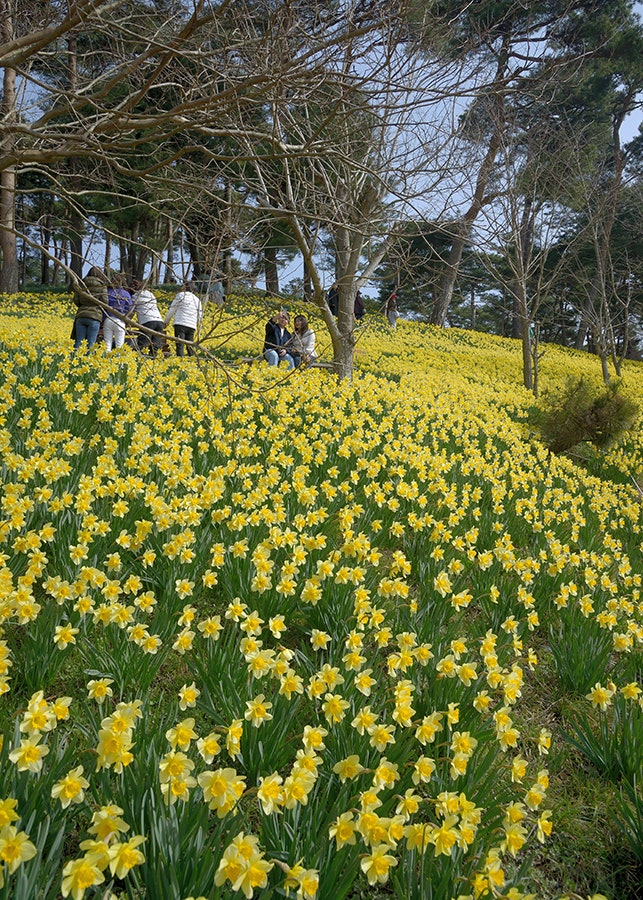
x,y
344,639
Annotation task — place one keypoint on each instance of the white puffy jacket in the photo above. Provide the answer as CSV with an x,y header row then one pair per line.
x,y
186,310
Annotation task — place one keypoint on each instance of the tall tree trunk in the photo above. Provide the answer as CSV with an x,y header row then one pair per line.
x,y
462,228
130,266
516,321
307,279
598,287
8,242
343,357
45,237
535,357
625,329
170,277
228,242
22,258
346,260
195,257
76,222
605,370
136,255
308,285
271,271
525,238
521,318
563,326
76,228
58,251
155,266
108,252
593,297
527,370
154,269
613,348
344,342
447,282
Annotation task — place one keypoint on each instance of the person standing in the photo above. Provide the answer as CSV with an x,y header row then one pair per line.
x,y
332,299
359,309
276,345
119,300
148,315
217,291
88,299
391,311
187,311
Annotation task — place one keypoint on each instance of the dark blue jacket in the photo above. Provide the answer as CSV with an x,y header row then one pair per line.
x,y
274,339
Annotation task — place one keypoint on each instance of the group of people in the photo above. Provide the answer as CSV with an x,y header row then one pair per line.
x,y
359,309
293,348
109,302
332,299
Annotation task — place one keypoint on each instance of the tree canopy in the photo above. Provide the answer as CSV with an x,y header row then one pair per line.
x,y
412,135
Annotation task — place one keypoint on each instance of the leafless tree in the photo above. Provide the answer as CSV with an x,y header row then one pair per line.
x,y
333,118
510,47
340,148
537,181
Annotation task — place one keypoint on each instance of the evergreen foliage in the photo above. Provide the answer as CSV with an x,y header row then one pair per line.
x,y
579,413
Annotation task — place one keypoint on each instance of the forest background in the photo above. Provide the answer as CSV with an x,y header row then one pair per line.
x,y
467,156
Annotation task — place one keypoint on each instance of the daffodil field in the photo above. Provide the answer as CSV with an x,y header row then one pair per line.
x,y
272,636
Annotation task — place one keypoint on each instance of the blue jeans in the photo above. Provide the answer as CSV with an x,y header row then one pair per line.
x,y
273,359
86,330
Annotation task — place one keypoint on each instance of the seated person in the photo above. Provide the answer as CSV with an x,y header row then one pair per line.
x,y
276,346
391,312
303,342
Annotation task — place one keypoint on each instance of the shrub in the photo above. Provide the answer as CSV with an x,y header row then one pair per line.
x,y
579,413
